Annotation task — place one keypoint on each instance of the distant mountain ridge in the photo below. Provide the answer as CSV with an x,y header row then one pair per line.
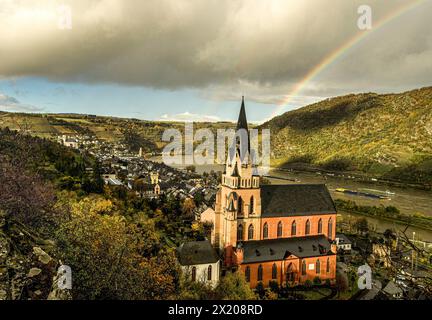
x,y
385,135
388,135
135,133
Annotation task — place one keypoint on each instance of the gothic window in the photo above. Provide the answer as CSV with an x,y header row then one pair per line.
x,y
265,231
293,228
251,206
240,206
274,271
193,273
303,270
250,232
279,229
318,267
247,274
307,227
240,232
209,273
260,273
290,272
320,226
330,228
328,265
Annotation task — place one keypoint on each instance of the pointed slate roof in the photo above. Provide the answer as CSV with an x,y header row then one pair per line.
x,y
242,121
243,150
235,172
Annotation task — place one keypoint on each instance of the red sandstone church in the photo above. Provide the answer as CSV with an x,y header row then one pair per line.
x,y
281,233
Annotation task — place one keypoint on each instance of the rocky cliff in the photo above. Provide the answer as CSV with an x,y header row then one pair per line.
x,y
27,270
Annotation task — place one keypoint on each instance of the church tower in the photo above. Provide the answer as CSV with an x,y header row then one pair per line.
x,y
272,232
238,203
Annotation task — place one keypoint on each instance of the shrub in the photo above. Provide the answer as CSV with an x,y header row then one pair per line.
x,y
234,287
260,289
308,284
274,286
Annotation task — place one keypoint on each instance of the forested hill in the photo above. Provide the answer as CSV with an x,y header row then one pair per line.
x,y
388,135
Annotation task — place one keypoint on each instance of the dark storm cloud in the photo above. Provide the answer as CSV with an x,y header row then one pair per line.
x,y
219,45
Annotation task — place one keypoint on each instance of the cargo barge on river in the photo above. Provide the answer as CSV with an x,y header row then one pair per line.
x,y
363,194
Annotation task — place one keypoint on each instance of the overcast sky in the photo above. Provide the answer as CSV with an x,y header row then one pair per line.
x,y
193,60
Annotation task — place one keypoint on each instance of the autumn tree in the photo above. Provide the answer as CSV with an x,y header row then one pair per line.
x,y
107,257
234,287
24,196
362,225
188,206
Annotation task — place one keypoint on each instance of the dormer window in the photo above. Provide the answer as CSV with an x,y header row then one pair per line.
x,y
322,249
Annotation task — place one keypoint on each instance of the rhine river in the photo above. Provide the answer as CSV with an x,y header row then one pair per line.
x,y
407,200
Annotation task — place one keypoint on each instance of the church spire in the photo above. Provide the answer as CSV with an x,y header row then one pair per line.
x,y
242,147
242,121
239,168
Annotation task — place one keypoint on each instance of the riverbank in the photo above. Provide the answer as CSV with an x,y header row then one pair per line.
x,y
388,213
407,200
381,225
357,176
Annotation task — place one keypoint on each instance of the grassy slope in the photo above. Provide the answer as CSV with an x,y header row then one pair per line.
x,y
374,133
149,133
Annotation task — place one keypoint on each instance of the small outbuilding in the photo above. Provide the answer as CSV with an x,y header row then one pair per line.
x,y
343,243
199,262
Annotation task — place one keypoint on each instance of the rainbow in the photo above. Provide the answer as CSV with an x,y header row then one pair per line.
x,y
344,48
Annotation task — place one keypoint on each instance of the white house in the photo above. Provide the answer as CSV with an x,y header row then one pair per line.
x,y
342,242
199,262
207,216
69,142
